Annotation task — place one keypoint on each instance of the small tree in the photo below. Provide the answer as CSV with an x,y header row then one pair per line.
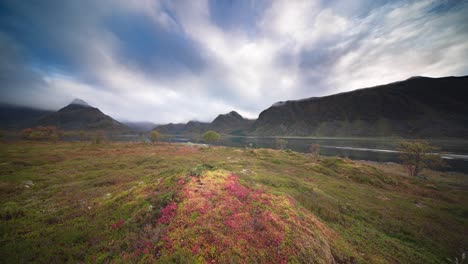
x,y
417,155
169,137
155,136
99,137
82,136
211,136
26,133
281,143
314,150
54,138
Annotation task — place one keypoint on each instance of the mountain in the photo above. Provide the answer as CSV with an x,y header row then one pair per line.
x,y
230,123
140,126
79,115
196,127
416,107
192,127
18,117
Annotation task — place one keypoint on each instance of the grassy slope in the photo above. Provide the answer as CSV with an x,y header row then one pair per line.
x,y
134,202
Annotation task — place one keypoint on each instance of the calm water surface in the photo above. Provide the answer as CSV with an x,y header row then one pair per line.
x,y
454,152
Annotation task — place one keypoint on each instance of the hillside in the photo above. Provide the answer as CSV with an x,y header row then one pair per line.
x,y
417,107
140,126
78,115
145,203
231,122
190,128
18,117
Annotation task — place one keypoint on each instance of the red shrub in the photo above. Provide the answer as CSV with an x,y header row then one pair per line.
x,y
195,249
117,224
234,221
145,248
234,188
167,213
167,242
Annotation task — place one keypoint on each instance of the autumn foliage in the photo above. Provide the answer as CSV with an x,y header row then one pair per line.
x,y
218,220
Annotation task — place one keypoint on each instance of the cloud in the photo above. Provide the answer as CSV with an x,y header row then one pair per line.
x,y
403,41
173,61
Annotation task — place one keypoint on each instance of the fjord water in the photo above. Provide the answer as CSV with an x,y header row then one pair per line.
x,y
454,152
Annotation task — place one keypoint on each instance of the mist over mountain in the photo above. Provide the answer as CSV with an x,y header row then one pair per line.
x,y
79,115
190,128
141,126
416,107
18,117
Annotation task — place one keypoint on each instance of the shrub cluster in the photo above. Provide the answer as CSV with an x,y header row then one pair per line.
x,y
45,133
198,170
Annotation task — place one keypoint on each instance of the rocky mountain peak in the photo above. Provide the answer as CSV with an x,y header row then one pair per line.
x,y
235,115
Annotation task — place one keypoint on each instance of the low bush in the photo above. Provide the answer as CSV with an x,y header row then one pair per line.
x,y
42,133
198,170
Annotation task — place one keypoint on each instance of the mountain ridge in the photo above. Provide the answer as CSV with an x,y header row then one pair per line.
x,y
79,115
416,107
19,117
228,123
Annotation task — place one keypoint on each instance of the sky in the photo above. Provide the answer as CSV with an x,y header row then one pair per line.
x,y
180,60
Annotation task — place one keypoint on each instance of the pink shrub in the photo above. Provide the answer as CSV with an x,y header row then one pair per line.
x,y
234,188
257,194
167,242
145,249
195,249
209,195
136,253
117,224
204,209
267,217
233,221
167,213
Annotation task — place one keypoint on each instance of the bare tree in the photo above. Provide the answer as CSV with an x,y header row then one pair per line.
x,y
314,150
281,143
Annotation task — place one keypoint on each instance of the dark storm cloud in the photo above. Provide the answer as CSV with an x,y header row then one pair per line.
x,y
172,61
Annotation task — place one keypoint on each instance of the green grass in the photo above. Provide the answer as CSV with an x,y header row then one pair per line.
x,y
79,202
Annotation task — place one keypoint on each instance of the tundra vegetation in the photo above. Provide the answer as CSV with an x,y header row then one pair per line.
x,y
137,203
